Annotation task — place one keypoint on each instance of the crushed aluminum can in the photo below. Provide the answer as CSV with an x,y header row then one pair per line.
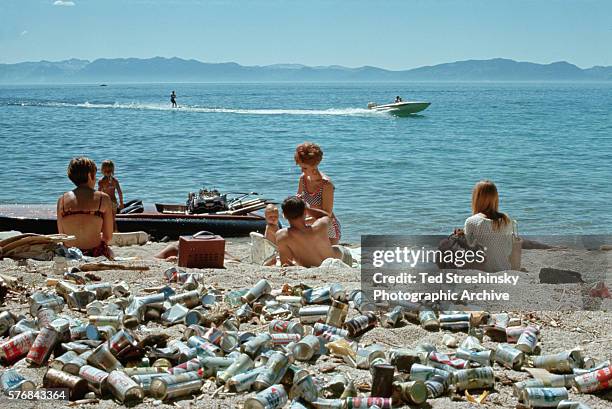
x,y
304,388
244,312
513,334
42,347
96,378
476,378
367,403
483,358
102,290
311,314
194,316
598,380
78,300
240,365
367,355
543,397
528,340
43,300
174,314
102,358
273,397
591,368
77,387
119,341
17,347
11,380
306,348
320,328
428,320
285,327
392,318
361,324
242,382
262,287
45,316
21,326
336,315
319,295
457,363
509,357
124,388
551,381
382,380
256,344
102,332
413,392
420,372
361,302
59,362
563,362
275,370
204,346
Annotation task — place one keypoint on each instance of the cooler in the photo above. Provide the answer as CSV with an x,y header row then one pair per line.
x,y
201,250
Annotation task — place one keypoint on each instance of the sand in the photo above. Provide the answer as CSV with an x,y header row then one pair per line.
x,y
561,330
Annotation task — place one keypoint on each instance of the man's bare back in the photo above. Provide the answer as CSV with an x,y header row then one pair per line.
x,y
307,246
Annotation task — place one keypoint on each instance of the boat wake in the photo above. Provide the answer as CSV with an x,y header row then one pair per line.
x,y
202,109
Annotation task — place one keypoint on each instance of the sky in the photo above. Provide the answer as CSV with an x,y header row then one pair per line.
x,y
393,34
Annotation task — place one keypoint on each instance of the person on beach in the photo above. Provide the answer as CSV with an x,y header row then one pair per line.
x,y
271,215
110,185
173,99
303,244
84,212
489,228
315,187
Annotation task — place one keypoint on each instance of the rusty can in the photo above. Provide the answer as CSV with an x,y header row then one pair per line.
x,y
240,365
476,378
119,341
336,315
96,378
59,362
275,370
286,327
304,387
509,356
124,388
11,380
543,397
429,321
42,347
307,347
77,387
366,403
273,397
78,332
413,392
262,287
382,380
102,358
243,381
403,359
112,320
313,313
563,362
320,328
361,324
594,381
528,340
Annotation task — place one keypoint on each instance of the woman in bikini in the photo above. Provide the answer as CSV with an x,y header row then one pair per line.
x,y
85,213
316,188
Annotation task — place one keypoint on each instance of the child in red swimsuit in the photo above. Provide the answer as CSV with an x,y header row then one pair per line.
x,y
109,185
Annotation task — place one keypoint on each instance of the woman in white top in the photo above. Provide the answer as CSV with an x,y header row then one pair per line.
x,y
489,228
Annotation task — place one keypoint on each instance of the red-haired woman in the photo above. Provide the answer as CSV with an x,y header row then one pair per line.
x,y
314,187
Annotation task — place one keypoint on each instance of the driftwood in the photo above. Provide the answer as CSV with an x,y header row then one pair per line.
x,y
109,266
31,245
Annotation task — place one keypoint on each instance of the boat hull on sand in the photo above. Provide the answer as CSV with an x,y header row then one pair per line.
x,y
41,219
401,108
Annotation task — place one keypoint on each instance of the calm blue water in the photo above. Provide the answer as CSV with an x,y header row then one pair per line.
x,y
547,146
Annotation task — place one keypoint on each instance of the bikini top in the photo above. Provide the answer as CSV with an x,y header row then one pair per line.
x,y
314,199
96,213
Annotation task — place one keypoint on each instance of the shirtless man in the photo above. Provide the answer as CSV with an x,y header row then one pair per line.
x,y
302,244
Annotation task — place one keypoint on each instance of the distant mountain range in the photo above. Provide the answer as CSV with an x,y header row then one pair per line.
x,y
160,69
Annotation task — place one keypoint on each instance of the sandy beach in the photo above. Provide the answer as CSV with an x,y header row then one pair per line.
x,y
589,330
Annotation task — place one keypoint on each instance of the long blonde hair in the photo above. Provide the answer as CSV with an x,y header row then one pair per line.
x,y
485,200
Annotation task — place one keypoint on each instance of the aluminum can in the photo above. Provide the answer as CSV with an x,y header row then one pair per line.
x,y
183,389
6,321
124,388
42,347
44,316
414,392
194,317
361,302
273,397
436,386
528,340
112,320
216,362
455,325
185,351
428,320
160,385
286,327
21,326
284,339
366,403
96,378
11,380
102,358
243,381
454,317
403,359
256,344
59,362
120,341
102,290
514,333
77,387
205,346
544,397
304,388
555,381
275,370
42,300
162,363
592,367
594,381
563,362
145,370
483,358
392,318
508,356
336,315
189,299
329,337
420,372
328,404
296,404
476,378
457,363
382,380
306,348
192,365
361,324
262,287
320,328
313,313
319,295
244,313
240,365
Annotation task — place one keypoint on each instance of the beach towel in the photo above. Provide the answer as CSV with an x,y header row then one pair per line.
x,y
262,250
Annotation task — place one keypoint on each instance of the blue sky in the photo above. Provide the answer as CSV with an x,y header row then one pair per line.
x,y
394,34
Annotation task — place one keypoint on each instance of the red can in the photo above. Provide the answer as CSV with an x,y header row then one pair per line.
x,y
366,403
43,346
17,347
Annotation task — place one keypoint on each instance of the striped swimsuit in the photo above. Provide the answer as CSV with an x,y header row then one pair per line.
x,y
315,200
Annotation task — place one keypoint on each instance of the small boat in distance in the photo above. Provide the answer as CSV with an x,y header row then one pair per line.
x,y
400,108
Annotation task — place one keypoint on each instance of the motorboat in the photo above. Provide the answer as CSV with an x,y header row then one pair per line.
x,y
400,108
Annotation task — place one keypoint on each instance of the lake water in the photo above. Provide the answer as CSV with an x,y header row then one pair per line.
x,y
548,147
